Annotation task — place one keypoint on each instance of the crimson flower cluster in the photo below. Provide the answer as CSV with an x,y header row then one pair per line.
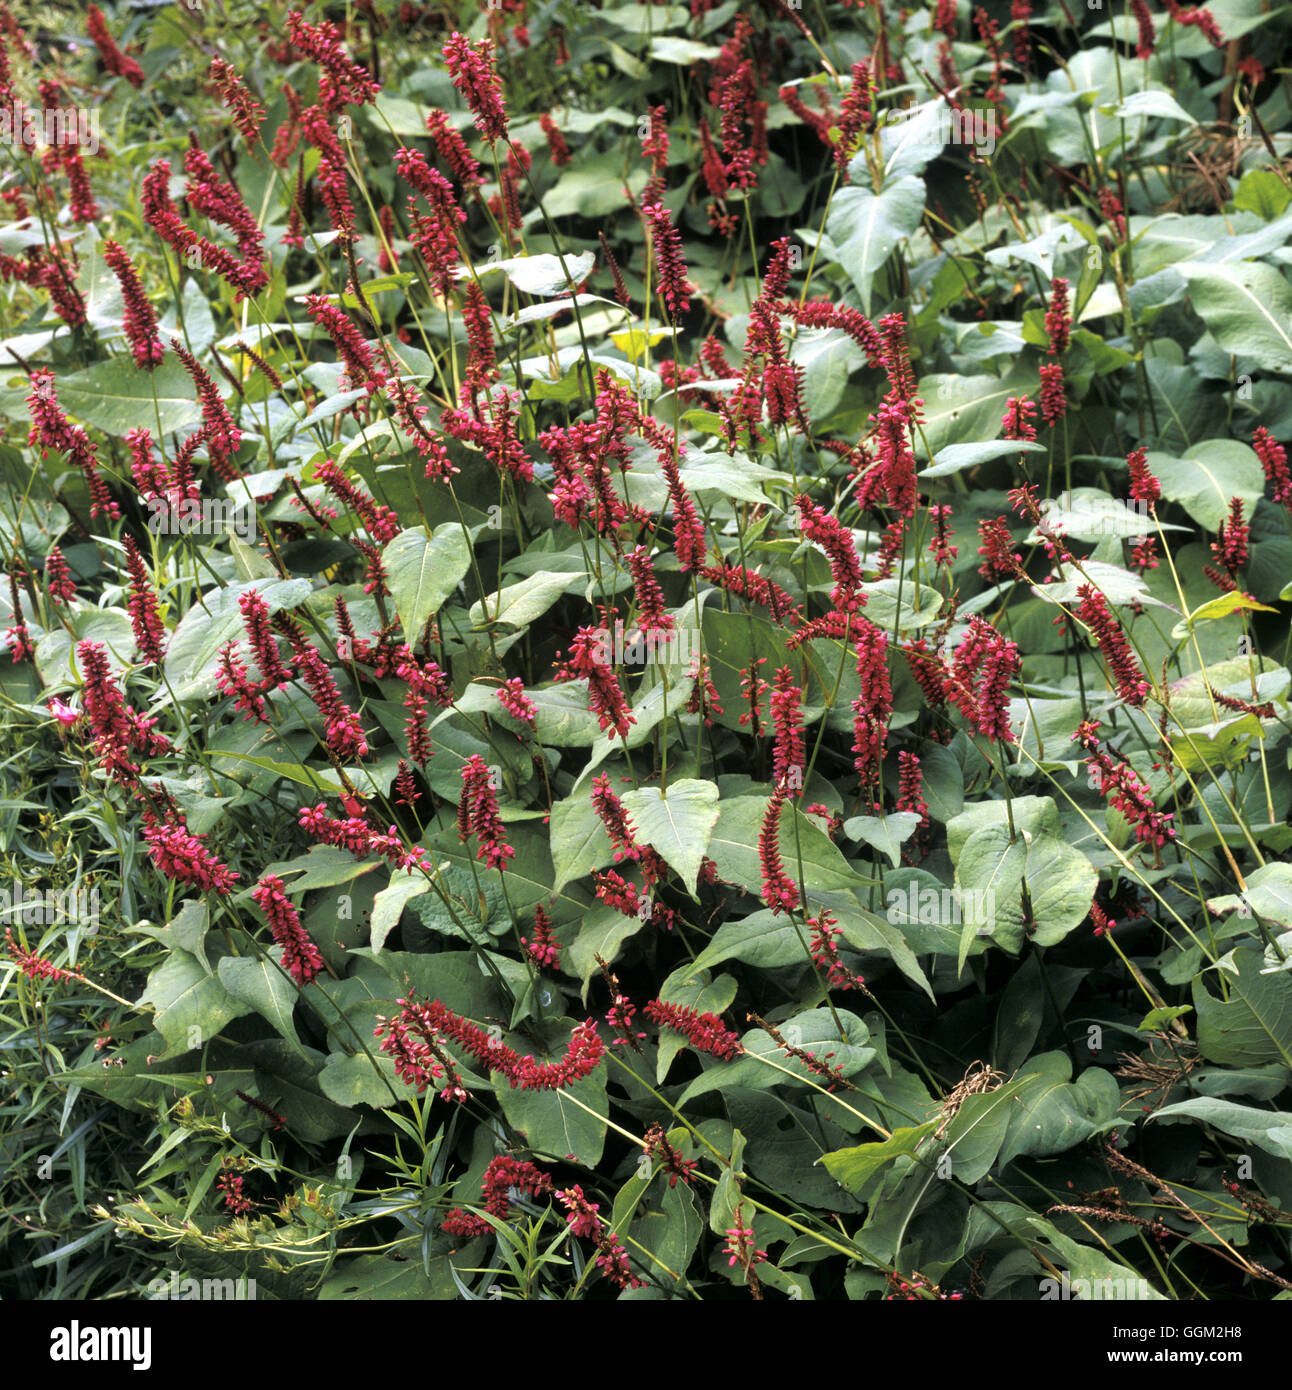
x,y
583,1052
478,814
705,1032
1122,664
1118,783
503,1176
605,697
301,958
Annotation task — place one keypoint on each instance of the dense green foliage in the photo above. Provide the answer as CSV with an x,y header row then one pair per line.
x,y
682,668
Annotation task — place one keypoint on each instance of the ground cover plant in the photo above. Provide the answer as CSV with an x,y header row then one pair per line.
x,y
646,650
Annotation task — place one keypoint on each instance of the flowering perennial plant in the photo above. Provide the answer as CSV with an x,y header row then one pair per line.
x,y
616,619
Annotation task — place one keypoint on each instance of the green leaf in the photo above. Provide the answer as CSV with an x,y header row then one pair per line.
x,y
388,906
676,823
423,570
1090,1275
854,1168
1255,1025
191,1003
1220,607
1267,1129
828,358
551,1121
974,1137
115,396
1058,879
684,52
322,866
1158,103
1207,475
353,1080
192,656
1052,1114
601,933
367,1278
593,187
579,840
1191,701
519,604
1247,308
538,275
733,847
264,988
955,458
704,997
960,407
884,834
1038,814
865,227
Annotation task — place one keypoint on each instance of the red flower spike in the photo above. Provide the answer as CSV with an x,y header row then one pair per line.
x,y
117,63
1144,487
1121,662
341,81
452,150
670,262
184,858
873,707
33,966
58,577
705,1032
51,429
472,72
145,619
248,113
1274,461
542,948
789,757
139,318
301,958
780,892
478,811
605,698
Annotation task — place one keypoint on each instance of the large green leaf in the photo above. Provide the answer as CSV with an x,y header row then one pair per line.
x,y
115,396
191,1003
519,604
999,876
579,840
1270,1130
423,570
191,657
733,847
1053,1114
263,987
865,228
1247,308
368,1278
677,823
1255,1025
1204,478
854,1168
